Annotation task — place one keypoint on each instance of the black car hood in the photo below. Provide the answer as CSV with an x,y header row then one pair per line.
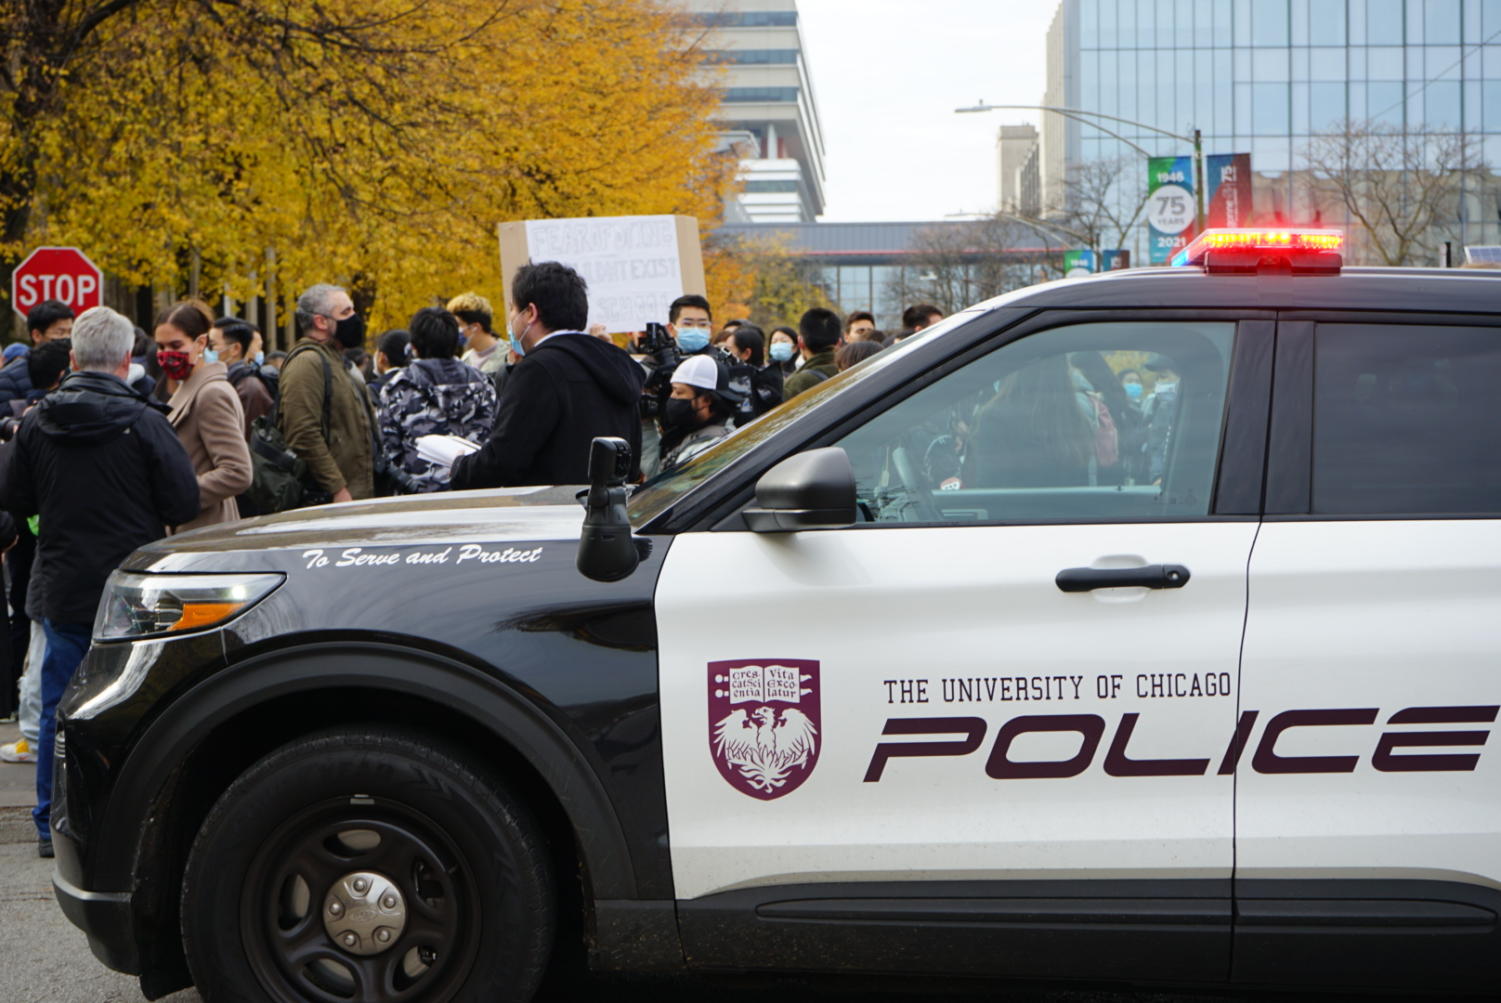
x,y
503,515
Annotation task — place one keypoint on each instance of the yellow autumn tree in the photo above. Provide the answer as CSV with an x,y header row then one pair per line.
x,y
374,142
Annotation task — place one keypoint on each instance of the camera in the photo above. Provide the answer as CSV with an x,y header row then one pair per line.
x,y
656,340
662,349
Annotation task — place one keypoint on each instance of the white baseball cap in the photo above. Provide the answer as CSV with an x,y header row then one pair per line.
x,y
697,371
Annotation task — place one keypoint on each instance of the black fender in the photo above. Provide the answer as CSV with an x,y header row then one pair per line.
x,y
464,690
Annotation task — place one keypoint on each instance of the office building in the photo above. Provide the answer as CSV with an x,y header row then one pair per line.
x,y
768,114
1268,78
1016,160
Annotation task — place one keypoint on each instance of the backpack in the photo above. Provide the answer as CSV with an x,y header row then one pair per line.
x,y
278,476
240,372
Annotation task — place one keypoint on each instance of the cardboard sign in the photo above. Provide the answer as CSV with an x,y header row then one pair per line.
x,y
635,265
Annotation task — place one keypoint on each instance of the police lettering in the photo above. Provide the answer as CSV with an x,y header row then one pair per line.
x,y
961,736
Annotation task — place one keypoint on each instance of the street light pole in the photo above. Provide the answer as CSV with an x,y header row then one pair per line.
x,y
1199,179
1196,139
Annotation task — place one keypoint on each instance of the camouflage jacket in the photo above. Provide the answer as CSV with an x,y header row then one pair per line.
x,y
431,397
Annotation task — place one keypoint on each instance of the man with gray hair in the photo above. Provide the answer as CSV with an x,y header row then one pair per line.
x,y
102,467
325,413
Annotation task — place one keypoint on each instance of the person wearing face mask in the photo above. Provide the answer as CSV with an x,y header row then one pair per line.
x,y
783,350
690,322
568,388
204,410
233,339
325,413
699,410
482,349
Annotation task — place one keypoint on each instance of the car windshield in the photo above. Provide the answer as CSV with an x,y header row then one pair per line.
x,y
661,492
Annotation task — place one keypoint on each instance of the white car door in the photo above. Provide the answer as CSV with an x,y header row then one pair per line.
x,y
1371,658
917,698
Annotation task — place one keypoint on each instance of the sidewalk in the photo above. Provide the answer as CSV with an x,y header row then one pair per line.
x,y
17,780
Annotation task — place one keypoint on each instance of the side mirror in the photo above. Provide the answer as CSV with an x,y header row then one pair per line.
x,y
811,490
607,551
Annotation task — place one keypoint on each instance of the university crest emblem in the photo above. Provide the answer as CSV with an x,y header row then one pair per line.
x,y
764,723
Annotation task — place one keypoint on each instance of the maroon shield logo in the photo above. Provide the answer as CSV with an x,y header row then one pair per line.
x,y
764,725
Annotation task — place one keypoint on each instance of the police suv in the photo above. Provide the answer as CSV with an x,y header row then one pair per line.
x,y
971,660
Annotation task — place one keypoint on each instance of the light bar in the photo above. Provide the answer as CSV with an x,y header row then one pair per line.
x,y
1314,247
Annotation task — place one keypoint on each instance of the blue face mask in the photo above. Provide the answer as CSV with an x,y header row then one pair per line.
x,y
260,358
210,356
692,339
515,339
781,351
1133,391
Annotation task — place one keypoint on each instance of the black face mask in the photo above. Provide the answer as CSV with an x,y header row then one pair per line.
x,y
350,331
679,415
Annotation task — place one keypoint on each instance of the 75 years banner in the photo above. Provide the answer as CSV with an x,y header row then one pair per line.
x,y
1171,205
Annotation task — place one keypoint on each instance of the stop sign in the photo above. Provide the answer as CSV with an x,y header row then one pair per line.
x,y
56,273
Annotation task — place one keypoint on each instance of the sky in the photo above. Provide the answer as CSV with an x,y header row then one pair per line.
x,y
887,76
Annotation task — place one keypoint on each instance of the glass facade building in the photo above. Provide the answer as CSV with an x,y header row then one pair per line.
x,y
1266,77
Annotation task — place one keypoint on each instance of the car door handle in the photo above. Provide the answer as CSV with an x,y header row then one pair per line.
x,y
1152,576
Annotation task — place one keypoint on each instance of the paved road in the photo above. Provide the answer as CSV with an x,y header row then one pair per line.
x,y
46,960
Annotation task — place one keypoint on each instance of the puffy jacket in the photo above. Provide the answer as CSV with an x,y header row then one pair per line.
x,y
105,471
15,381
431,397
564,392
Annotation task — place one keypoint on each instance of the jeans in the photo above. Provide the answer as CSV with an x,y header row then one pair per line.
x,y
66,645
30,712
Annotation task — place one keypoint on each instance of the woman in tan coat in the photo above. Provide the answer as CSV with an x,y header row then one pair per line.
x,y
205,411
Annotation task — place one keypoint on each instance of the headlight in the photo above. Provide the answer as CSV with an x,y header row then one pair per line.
x,y
137,605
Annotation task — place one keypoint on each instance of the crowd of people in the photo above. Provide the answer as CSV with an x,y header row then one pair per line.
x,y
195,424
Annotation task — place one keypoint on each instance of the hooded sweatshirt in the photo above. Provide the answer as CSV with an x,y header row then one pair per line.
x,y
105,471
431,397
563,393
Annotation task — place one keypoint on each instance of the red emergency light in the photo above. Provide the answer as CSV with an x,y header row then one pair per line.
x,y
1284,251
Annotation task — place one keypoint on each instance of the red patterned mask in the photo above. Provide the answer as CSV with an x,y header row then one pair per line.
x,y
177,365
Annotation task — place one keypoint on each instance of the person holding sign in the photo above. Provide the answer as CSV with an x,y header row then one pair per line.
x,y
568,388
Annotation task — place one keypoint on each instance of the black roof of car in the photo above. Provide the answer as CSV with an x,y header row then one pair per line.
x,y
1453,290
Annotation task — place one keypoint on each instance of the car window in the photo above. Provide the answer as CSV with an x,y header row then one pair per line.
x,y
659,494
1046,429
1405,420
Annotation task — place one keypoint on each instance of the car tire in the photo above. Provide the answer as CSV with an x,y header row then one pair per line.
x,y
367,866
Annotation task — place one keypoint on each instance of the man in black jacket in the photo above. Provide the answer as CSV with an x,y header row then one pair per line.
x,y
104,471
568,388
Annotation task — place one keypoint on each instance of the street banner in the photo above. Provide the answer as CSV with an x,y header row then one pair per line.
x,y
1076,263
1170,206
635,265
1116,259
1227,185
